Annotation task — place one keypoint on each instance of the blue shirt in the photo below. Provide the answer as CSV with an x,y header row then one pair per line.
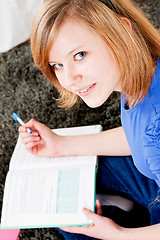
x,y
141,125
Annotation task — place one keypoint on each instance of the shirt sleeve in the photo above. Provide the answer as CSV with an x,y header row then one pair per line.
x,y
152,146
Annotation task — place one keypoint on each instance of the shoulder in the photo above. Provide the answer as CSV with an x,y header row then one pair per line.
x,y
153,94
156,77
151,135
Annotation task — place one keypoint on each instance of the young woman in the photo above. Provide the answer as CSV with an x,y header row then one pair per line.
x,y
88,49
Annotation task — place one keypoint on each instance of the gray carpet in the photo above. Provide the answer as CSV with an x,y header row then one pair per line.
x,y
24,90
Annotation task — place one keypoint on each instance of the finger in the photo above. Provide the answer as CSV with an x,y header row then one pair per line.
x,y
25,134
31,125
91,215
34,150
78,229
98,206
30,138
35,125
23,129
31,145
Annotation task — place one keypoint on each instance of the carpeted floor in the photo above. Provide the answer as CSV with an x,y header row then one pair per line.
x,y
24,90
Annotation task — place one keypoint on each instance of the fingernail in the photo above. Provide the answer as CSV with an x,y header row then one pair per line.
x,y
35,133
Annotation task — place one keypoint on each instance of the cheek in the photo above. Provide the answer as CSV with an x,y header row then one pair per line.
x,y
107,68
99,70
60,79
62,83
100,65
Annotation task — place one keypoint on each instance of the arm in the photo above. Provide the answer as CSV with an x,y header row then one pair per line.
x,y
111,142
44,142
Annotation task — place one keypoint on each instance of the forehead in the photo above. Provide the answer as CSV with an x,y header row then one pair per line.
x,y
73,34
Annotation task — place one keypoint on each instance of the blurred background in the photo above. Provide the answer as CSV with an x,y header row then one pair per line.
x,y
24,90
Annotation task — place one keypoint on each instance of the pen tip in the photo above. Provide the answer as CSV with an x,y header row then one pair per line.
x,y
15,116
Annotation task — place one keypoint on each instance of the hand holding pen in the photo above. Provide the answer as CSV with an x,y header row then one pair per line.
x,y
41,140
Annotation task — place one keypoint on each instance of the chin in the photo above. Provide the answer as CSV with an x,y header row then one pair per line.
x,y
94,104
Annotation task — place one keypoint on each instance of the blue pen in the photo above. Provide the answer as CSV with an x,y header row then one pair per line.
x,y
17,118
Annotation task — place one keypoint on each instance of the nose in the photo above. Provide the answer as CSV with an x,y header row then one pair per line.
x,y
72,77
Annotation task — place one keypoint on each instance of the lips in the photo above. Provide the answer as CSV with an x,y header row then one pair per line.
x,y
86,91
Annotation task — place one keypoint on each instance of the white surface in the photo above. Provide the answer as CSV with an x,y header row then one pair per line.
x,y
118,201
15,21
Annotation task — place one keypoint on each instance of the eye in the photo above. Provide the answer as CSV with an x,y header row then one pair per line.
x,y
56,66
79,56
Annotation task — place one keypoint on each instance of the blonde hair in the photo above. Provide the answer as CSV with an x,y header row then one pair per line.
x,y
136,50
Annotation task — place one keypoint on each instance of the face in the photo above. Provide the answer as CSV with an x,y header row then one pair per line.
x,y
83,63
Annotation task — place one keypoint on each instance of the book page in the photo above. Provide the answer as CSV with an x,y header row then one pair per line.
x,y
23,159
49,191
82,130
53,197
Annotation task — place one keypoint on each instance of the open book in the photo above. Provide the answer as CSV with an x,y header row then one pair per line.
x,y
49,192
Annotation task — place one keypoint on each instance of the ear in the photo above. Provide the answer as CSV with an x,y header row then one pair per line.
x,y
127,23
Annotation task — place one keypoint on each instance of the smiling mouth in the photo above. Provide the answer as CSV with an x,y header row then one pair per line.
x,y
86,91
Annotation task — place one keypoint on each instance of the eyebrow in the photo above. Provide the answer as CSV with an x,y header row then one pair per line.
x,y
69,53
74,50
